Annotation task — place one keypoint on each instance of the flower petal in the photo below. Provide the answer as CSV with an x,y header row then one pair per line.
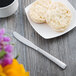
x,y
2,31
6,61
8,48
6,39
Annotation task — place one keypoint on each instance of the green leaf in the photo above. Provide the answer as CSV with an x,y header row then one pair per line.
x,y
17,56
2,54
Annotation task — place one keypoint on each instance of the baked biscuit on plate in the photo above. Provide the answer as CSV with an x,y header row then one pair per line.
x,y
58,16
44,30
38,10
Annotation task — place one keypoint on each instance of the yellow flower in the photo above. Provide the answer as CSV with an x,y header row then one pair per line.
x,y
2,74
15,69
1,71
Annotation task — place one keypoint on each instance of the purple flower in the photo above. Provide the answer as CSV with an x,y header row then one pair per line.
x,y
1,38
0,61
6,39
9,55
8,48
7,61
1,46
2,31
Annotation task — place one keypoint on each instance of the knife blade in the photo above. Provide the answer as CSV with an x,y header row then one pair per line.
x,y
30,44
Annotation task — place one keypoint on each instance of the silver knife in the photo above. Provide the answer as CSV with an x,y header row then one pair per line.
x,y
30,44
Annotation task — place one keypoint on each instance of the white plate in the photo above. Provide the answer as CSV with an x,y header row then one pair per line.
x,y
44,30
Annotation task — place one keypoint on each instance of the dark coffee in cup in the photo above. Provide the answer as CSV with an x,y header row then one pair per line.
x,y
4,3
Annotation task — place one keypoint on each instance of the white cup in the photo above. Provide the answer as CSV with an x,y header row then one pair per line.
x,y
9,10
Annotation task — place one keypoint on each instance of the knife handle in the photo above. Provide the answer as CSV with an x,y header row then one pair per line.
x,y
49,56
30,44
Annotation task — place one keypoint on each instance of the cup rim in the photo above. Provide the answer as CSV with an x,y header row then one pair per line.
x,y
7,5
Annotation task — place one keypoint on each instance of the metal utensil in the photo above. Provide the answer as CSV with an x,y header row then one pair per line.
x,y
30,44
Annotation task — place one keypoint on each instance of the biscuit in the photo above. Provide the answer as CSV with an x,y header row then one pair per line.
x,y
38,10
58,16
